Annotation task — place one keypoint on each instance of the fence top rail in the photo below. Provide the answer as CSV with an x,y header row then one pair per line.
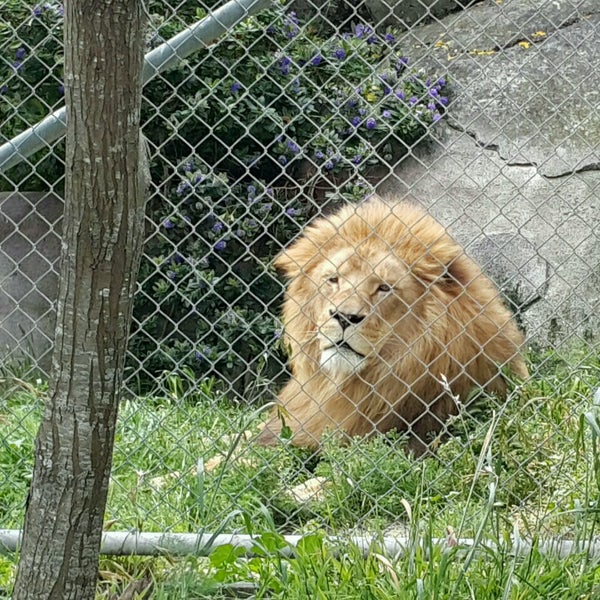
x,y
158,60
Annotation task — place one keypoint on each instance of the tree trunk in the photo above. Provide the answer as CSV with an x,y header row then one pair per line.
x,y
102,241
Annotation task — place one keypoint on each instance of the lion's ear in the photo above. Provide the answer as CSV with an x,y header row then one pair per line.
x,y
460,271
450,272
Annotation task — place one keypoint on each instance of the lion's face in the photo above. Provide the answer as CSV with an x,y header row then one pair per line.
x,y
365,307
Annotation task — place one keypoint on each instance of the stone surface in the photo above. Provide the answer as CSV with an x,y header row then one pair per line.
x,y
515,173
381,13
553,225
29,256
525,79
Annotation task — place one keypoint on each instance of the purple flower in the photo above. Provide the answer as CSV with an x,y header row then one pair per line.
x,y
178,259
251,189
340,53
413,100
372,39
390,38
444,100
198,178
168,224
319,155
293,147
316,60
362,30
328,165
188,167
20,53
386,114
399,94
217,227
3,89
401,63
434,92
371,123
61,89
292,212
184,187
357,159
441,82
356,121
284,65
431,106
436,117
220,245
172,275
291,23
203,354
236,86
17,65
282,160
37,11
362,112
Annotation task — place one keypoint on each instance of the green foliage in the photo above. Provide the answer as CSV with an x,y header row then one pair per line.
x,y
271,102
31,60
236,128
184,461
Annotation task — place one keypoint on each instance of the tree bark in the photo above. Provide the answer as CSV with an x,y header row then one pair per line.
x,y
102,242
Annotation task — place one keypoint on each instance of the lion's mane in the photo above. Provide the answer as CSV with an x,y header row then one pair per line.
x,y
387,322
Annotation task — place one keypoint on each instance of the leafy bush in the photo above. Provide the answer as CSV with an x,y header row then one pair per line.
x,y
31,61
207,299
238,131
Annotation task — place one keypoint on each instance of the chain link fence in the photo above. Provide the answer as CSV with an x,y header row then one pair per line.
x,y
484,113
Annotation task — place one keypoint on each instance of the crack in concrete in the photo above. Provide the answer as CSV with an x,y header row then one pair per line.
x,y
496,149
566,23
515,41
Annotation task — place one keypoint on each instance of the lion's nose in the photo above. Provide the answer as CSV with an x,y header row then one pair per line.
x,y
346,319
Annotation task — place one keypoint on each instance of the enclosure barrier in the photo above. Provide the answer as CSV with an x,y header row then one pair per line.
x,y
485,117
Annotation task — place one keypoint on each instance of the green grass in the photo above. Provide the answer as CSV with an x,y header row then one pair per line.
x,y
529,465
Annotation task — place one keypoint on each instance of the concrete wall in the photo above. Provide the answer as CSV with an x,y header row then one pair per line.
x,y
30,226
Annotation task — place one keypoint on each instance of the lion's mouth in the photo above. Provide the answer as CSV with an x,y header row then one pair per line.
x,y
345,346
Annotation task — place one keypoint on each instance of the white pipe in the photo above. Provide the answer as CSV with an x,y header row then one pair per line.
x,y
122,543
195,37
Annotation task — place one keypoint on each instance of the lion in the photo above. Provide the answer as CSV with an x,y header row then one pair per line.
x,y
388,322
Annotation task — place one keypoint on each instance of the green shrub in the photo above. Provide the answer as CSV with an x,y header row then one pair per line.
x,y
237,131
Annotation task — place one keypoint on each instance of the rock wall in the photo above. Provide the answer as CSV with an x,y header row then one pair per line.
x,y
516,171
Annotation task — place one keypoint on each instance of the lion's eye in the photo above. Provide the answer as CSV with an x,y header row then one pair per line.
x,y
333,279
384,288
